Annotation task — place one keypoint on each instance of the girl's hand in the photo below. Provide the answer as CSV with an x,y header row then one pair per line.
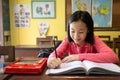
x,y
54,63
69,58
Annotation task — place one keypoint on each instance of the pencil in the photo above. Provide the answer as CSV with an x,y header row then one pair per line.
x,y
55,47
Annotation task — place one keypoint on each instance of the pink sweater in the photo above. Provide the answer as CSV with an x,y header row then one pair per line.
x,y
99,52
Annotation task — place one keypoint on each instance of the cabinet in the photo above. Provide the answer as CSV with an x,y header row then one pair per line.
x,y
4,23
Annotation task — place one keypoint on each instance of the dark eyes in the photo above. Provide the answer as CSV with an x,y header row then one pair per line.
x,y
81,32
78,32
72,31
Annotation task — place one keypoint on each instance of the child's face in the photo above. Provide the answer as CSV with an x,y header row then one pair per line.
x,y
78,32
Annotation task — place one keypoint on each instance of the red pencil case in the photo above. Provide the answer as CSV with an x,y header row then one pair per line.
x,y
27,66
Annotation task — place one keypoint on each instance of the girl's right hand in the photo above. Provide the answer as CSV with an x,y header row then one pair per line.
x,y
54,63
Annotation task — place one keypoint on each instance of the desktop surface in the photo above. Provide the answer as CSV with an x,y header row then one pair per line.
x,y
62,77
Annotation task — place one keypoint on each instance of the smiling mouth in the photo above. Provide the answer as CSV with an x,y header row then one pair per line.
x,y
77,39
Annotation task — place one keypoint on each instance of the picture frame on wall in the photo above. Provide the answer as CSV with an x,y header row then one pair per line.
x,y
43,8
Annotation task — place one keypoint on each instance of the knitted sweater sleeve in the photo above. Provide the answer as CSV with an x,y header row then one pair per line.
x,y
104,53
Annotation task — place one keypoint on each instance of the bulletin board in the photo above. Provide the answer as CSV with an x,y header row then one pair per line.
x,y
115,16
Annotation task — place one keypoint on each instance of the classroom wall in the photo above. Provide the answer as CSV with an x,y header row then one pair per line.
x,y
27,36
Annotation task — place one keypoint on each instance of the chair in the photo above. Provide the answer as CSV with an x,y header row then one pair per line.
x,y
46,42
106,39
8,51
116,45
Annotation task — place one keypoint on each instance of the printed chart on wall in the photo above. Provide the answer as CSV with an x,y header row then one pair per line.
x,y
83,5
22,15
102,13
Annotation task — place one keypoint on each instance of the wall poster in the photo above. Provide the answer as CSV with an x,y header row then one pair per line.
x,y
102,13
83,5
100,10
22,15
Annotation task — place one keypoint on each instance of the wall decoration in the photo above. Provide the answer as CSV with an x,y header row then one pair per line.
x,y
84,5
102,13
22,15
43,9
43,27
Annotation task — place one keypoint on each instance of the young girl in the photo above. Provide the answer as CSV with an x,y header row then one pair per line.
x,y
81,43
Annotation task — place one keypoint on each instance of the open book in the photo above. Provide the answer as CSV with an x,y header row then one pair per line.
x,y
85,67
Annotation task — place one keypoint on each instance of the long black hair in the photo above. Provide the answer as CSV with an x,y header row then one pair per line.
x,y
85,17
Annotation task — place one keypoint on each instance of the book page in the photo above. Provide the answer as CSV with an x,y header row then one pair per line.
x,y
102,66
66,68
